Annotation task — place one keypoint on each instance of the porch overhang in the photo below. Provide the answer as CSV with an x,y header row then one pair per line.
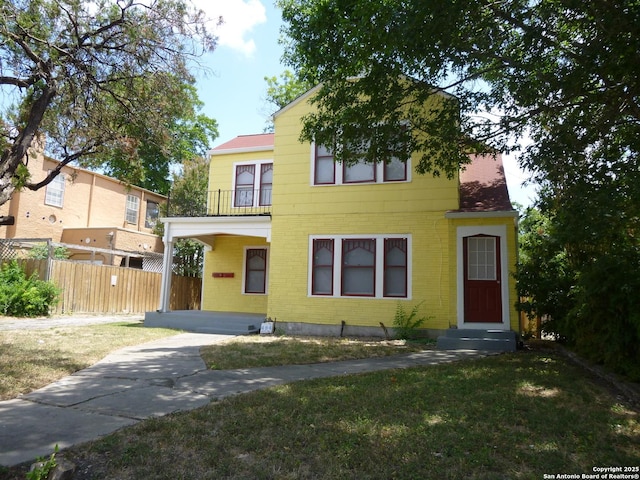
x,y
204,230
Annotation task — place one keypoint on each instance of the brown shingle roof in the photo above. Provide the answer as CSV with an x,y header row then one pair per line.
x,y
483,185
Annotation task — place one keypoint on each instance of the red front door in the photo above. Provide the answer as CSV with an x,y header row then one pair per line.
x,y
482,288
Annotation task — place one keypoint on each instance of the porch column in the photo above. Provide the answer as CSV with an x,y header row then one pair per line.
x,y
167,267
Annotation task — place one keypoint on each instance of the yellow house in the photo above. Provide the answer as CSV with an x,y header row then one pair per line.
x,y
326,249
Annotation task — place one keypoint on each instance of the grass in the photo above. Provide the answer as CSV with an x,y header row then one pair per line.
x,y
268,351
511,416
30,359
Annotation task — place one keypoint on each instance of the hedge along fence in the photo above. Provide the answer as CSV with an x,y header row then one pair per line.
x,y
90,288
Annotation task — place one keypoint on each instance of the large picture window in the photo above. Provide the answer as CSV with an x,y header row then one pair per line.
x,y
255,278
54,194
360,266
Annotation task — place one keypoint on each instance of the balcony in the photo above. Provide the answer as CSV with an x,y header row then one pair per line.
x,y
225,203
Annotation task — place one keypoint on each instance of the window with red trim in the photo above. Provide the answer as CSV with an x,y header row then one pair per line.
x,y
395,267
245,176
324,167
266,183
255,279
322,274
359,267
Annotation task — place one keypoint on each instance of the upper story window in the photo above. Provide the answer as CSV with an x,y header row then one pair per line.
x,y
132,208
253,184
153,212
54,194
326,173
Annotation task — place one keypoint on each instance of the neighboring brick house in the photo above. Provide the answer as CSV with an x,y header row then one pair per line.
x,y
296,237
85,208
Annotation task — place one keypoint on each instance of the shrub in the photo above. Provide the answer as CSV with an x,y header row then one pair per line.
x,y
407,324
40,251
24,297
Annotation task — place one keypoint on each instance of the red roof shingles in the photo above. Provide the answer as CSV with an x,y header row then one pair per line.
x,y
483,185
247,141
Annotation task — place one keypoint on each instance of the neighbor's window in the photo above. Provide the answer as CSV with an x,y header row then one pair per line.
x,y
255,279
132,209
54,194
153,212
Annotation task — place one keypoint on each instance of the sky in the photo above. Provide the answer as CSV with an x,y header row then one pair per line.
x,y
233,88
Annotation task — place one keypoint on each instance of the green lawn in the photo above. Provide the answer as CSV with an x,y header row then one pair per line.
x,y
511,416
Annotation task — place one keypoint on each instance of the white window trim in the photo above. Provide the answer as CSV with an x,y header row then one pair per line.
x,y
337,265
257,174
126,209
339,173
60,181
244,270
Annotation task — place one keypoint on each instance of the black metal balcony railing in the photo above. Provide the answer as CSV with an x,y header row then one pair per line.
x,y
223,203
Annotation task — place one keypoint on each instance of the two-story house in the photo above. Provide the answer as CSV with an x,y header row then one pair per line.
x,y
325,248
88,210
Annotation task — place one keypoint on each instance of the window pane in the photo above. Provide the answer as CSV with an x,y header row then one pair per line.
x,y
358,267
266,181
359,172
255,282
395,282
395,267
256,270
358,281
153,213
54,193
322,273
245,175
132,207
244,197
324,166
481,258
395,170
322,281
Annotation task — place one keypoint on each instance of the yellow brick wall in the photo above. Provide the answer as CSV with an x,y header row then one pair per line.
x,y
225,294
288,284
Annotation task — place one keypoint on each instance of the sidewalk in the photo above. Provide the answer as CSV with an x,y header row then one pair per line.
x,y
150,380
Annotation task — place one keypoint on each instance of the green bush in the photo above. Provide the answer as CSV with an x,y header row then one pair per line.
x,y
406,325
24,297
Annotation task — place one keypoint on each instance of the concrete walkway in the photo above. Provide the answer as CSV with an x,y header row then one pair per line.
x,y
151,380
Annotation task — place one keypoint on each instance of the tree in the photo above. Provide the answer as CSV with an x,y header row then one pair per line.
x,y
562,71
281,92
103,82
188,197
189,135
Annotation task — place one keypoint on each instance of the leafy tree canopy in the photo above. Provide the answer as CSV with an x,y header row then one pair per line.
x,y
105,82
563,70
282,91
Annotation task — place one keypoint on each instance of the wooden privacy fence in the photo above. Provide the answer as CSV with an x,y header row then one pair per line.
x,y
90,288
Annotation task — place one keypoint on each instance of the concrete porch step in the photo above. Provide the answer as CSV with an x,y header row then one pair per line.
x,y
472,339
222,323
